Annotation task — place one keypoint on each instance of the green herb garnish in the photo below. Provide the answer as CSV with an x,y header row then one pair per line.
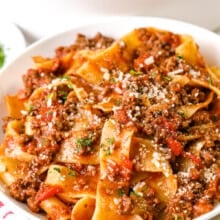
x,y
30,108
133,193
112,80
85,142
121,192
70,85
140,89
179,56
108,147
135,72
57,169
210,81
118,102
63,94
176,217
153,74
71,172
167,78
181,114
110,141
50,96
108,151
65,77
2,57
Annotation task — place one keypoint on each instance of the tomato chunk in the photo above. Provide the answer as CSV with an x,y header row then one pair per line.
x,y
175,146
126,162
46,192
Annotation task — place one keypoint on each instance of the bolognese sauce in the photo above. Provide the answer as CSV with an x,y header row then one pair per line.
x,y
169,101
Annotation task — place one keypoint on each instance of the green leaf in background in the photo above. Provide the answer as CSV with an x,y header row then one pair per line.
x,y
2,57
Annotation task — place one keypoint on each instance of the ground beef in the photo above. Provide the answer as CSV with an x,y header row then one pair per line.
x,y
124,205
201,117
148,101
23,189
35,78
99,41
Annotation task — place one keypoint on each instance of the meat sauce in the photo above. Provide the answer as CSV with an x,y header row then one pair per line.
x,y
140,89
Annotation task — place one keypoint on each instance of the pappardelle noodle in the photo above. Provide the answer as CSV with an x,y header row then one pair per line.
x,y
116,129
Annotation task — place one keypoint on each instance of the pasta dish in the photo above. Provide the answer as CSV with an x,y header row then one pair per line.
x,y
125,129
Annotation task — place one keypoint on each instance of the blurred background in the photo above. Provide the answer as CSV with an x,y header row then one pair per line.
x,y
40,18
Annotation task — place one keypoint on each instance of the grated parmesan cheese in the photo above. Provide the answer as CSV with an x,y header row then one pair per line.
x,y
194,73
149,60
106,76
175,72
155,92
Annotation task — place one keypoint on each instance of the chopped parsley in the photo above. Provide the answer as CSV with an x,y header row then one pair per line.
x,y
57,169
153,75
63,94
110,141
117,102
133,193
121,192
135,73
112,80
50,96
70,85
71,172
181,114
167,78
108,147
85,141
65,77
140,89
176,217
210,81
2,57
179,56
108,151
30,108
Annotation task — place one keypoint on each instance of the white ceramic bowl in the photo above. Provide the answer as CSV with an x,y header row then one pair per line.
x,y
10,78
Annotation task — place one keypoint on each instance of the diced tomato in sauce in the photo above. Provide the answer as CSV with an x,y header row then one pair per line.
x,y
175,146
168,124
126,162
47,192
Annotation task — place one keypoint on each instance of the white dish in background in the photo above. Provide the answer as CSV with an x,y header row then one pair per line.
x,y
11,40
10,79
